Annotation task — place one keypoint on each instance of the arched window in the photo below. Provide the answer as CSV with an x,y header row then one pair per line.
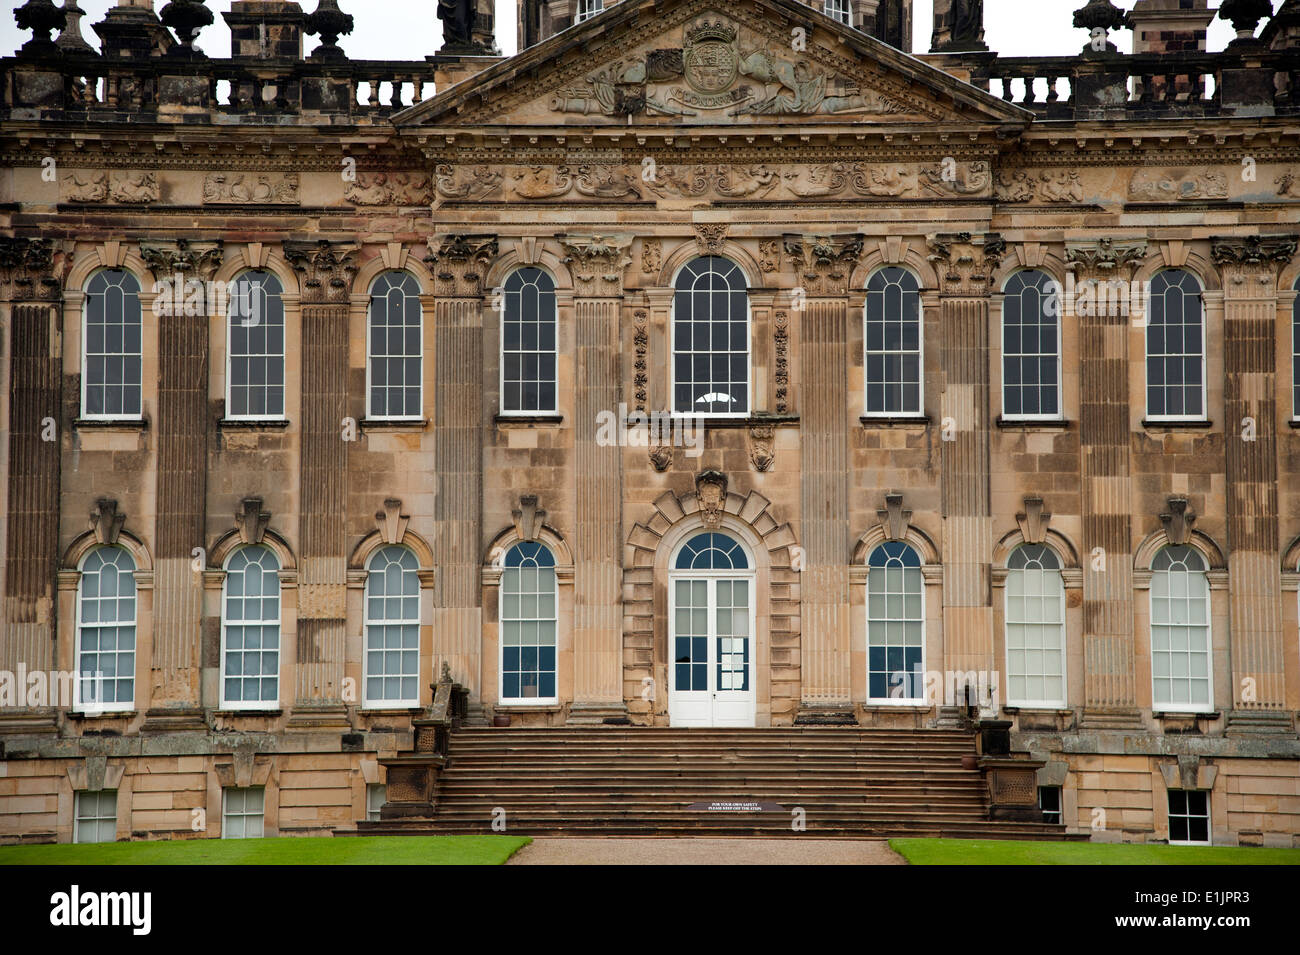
x,y
711,613
1035,627
528,624
250,624
528,353
111,372
255,348
841,10
396,346
1175,347
895,624
392,629
1031,346
1180,631
711,339
106,615
892,341
1295,354
588,9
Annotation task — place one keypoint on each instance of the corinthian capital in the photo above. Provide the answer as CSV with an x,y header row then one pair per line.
x,y
1258,250
597,262
460,264
28,270
327,269
966,262
825,263
1105,256
167,257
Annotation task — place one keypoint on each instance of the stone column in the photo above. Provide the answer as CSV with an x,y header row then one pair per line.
x,y
30,290
181,489
326,270
824,267
460,265
965,265
597,264
1109,693
1250,268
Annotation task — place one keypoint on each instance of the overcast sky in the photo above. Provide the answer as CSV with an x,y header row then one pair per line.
x,y
409,29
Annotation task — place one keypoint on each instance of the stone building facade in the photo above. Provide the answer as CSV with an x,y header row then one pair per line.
x,y
324,375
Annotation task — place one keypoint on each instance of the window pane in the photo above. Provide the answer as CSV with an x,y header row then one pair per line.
x,y
395,337
528,337
711,339
892,337
111,365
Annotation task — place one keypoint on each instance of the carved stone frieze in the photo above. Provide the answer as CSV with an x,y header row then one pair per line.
x,y
1288,184
127,186
327,269
1039,185
29,270
597,262
1177,185
825,263
388,189
269,188
460,264
965,262
466,182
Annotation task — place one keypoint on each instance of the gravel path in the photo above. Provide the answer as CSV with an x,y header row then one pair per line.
x,y
577,851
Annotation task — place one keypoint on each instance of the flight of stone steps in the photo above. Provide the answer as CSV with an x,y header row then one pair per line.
x,y
643,781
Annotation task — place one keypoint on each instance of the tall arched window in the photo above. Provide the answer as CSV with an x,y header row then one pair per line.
x,y
895,624
528,352
395,345
1295,353
112,368
1031,346
1035,627
1180,631
392,628
892,341
106,615
1175,347
528,625
250,625
255,348
711,339
841,10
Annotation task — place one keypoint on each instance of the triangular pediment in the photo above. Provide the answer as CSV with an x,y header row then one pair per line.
x,y
712,63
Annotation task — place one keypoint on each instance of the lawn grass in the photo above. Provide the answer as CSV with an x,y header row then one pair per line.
x,y
360,850
999,852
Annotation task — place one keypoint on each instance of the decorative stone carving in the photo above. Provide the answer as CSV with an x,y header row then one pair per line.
x,y
652,251
538,182
106,521
824,263
1288,184
27,271
268,188
597,262
1252,249
782,377
641,374
894,518
605,182
327,269
711,494
1177,185
710,238
769,256
461,263
1034,185
1105,255
1033,521
391,522
388,189
127,186
661,457
966,262
252,520
1178,521
181,256
466,182
961,179
762,446
528,518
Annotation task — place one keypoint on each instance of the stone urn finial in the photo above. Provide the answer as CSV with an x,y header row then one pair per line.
x,y
41,17
186,18
1100,15
71,40
1245,16
329,22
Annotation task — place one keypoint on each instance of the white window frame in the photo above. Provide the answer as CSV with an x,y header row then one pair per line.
x,y
501,372
284,331
370,357
526,701
919,413
923,700
1146,357
1007,623
259,705
243,814
1209,819
588,9
749,350
1054,288
385,704
840,11
79,816
101,707
85,354
1156,705
376,796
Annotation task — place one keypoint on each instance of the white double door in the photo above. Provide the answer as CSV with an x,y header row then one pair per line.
x,y
711,650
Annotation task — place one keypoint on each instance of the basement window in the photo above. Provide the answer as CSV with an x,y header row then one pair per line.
x,y
1189,817
376,796
1049,801
96,817
243,812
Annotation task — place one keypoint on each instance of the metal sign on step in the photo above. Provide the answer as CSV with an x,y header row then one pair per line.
x,y
735,806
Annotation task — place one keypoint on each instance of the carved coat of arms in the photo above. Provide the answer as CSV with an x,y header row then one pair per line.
x,y
710,59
